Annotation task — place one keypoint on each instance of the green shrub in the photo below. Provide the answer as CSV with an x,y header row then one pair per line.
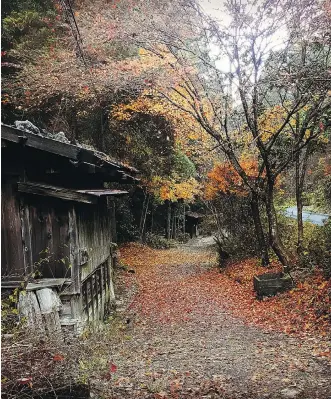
x,y
159,242
317,247
233,222
126,227
316,243
9,311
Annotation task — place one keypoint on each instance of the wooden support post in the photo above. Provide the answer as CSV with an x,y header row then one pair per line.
x,y
26,238
74,252
92,295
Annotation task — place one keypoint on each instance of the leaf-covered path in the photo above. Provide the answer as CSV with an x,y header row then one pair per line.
x,y
183,337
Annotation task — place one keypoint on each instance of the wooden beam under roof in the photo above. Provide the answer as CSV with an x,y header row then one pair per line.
x,y
57,192
89,196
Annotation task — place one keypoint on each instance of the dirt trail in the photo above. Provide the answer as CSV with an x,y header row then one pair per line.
x,y
181,340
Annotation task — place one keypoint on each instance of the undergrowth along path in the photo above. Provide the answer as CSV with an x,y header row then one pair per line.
x,y
192,332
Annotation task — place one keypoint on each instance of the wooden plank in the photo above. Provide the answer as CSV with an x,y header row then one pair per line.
x,y
54,191
92,295
48,283
102,291
85,300
38,213
128,178
12,284
57,226
74,252
112,216
49,236
89,168
104,192
39,142
26,238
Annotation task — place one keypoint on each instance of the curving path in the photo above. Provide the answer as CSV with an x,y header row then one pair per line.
x,y
180,340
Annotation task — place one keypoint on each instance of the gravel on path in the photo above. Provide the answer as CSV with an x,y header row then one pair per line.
x,y
211,353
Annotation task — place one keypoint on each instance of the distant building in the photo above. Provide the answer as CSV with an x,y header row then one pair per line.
x,y
192,221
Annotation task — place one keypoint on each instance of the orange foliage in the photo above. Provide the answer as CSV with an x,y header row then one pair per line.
x,y
224,178
304,309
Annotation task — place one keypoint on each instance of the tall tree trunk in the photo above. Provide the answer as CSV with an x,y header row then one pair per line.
x,y
173,220
142,216
301,166
262,244
274,237
142,234
168,220
298,195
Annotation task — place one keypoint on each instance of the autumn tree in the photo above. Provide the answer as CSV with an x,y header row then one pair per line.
x,y
227,90
172,176
77,60
69,62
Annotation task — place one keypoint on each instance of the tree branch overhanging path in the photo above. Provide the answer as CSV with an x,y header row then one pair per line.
x,y
228,122
278,57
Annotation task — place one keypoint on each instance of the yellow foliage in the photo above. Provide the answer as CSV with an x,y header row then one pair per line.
x,y
172,189
189,135
271,121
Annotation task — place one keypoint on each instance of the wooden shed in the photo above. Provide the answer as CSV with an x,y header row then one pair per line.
x,y
192,221
58,227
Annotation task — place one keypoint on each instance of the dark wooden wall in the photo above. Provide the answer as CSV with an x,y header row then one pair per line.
x,y
35,234
48,236
61,239
12,250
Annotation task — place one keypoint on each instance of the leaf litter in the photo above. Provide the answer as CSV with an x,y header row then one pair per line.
x,y
193,332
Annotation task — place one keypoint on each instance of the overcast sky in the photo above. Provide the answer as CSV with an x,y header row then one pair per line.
x,y
215,8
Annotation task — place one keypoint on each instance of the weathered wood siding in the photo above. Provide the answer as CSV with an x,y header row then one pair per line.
x,y
46,220
94,225
61,239
34,233
96,228
12,251
97,292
